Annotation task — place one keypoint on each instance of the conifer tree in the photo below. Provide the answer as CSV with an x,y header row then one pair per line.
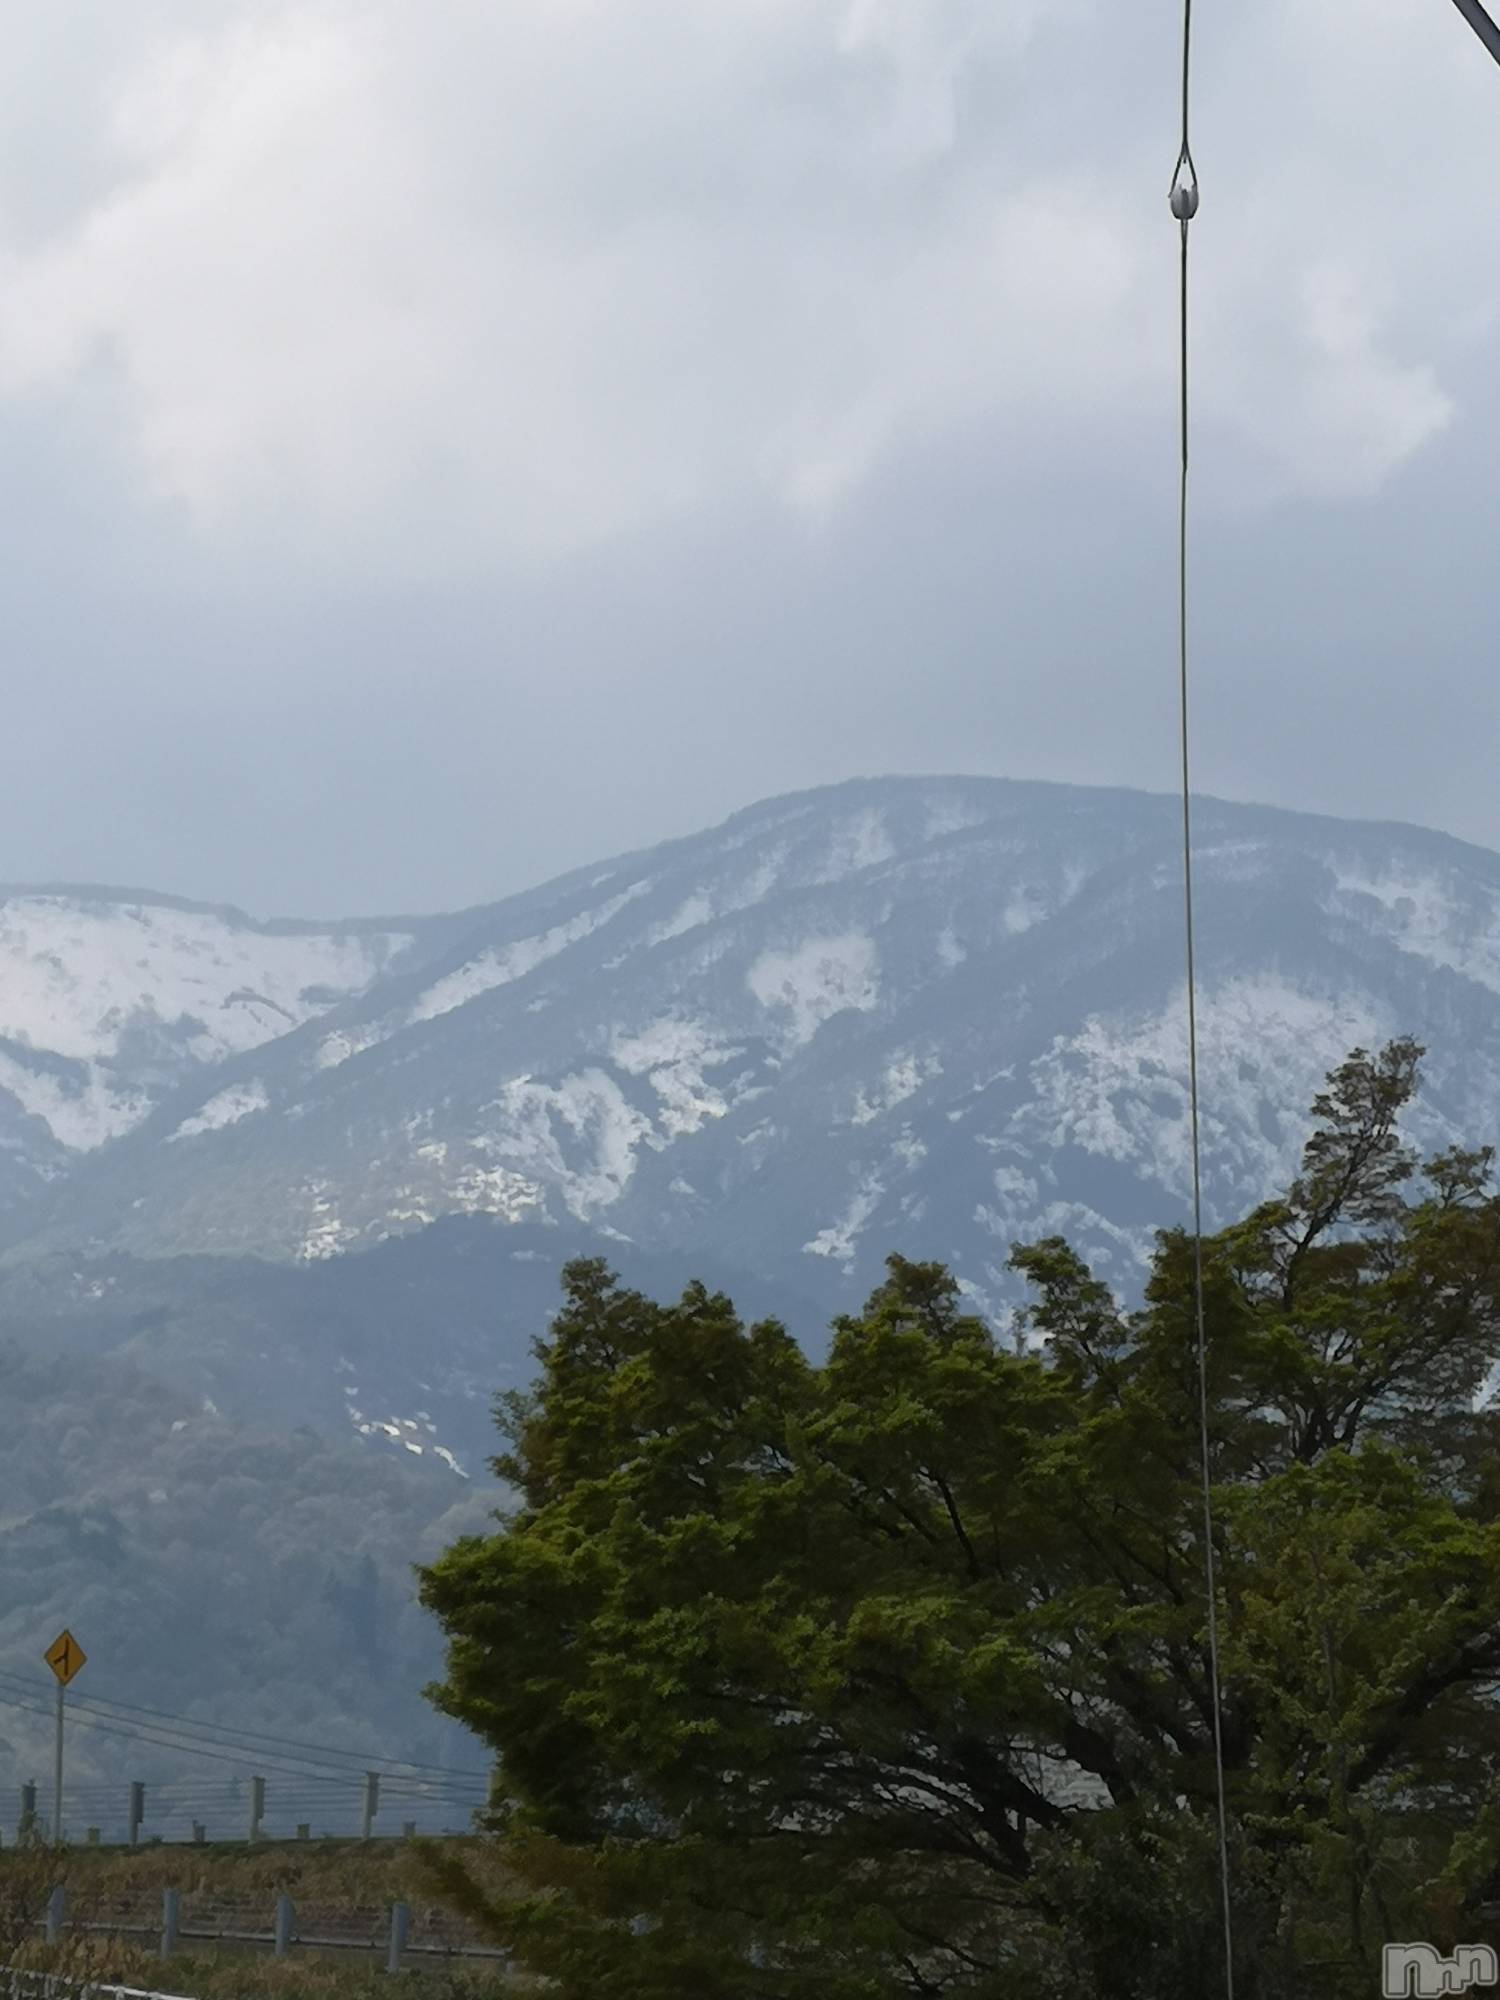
x,y
889,1677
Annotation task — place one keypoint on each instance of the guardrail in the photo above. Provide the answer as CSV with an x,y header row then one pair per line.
x,y
388,1930
16,1985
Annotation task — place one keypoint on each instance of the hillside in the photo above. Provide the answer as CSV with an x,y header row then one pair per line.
x,y
248,1574
258,1308
109,1000
941,1012
401,1348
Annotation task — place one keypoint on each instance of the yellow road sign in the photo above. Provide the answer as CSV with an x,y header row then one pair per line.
x,y
65,1656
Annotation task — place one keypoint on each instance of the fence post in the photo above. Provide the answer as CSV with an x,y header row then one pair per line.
x,y
400,1925
200,1832
257,1807
137,1810
169,1908
284,1919
372,1804
56,1911
28,1813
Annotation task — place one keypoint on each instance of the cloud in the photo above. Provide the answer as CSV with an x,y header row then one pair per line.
x,y
430,289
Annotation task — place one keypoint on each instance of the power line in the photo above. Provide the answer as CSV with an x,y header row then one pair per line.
x,y
167,1793
246,1758
1183,198
471,1796
323,1752
1482,25
228,1743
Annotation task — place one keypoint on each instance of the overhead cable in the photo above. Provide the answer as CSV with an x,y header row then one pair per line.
x,y
1183,198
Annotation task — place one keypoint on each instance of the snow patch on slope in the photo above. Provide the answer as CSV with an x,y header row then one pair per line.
x,y
822,977
510,962
345,1042
132,993
904,1077
688,915
580,1136
226,1107
1117,1089
327,1235
860,842
673,1055
838,1240
76,978
1109,1248
81,1112
495,1191
1423,917
947,816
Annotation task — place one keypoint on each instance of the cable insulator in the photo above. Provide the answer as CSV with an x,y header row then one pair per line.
x,y
1183,194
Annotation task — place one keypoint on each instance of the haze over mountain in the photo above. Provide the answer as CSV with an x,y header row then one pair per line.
x,y
322,1175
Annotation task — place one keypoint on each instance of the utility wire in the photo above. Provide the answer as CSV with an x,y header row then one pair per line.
x,y
343,1781
282,1800
323,1752
160,1722
246,1759
1482,25
1183,197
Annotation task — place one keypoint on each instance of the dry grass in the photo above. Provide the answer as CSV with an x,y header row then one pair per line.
x,y
347,1871
309,1979
340,1890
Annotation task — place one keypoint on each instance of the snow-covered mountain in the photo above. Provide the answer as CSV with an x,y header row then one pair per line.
x,y
934,1015
109,1001
283,1205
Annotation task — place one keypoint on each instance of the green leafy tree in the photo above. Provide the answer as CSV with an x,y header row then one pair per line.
x,y
890,1677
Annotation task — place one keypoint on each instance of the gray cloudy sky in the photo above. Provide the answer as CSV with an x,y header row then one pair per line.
x,y
446,443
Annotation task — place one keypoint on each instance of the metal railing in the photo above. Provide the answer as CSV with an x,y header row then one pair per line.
x,y
393,1930
16,1985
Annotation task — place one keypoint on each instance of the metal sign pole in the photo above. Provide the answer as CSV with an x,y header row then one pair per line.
x,y
57,1771
66,1658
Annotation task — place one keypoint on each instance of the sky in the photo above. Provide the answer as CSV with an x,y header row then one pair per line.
x,y
444,445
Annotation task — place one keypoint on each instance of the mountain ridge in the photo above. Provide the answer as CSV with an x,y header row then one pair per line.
x,y
928,1016
790,939
519,992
